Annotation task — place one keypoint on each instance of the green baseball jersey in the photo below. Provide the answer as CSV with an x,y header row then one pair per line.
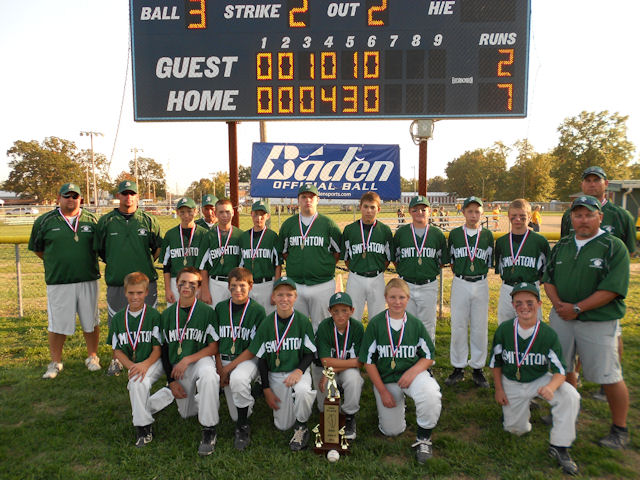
x,y
426,265
545,354
377,349
195,335
127,245
615,220
378,240
530,263
150,335
265,256
310,259
173,254
299,341
244,333
65,260
203,223
601,264
461,255
220,257
326,339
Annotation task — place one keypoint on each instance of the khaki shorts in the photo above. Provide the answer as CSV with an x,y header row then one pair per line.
x,y
66,300
596,343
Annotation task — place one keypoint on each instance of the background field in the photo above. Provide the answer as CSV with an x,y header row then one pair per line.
x,y
79,425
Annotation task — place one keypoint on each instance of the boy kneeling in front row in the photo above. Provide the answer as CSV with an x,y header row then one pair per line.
x,y
190,341
135,339
524,350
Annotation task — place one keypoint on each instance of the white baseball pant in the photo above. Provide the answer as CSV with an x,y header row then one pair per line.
x,y
261,293
219,291
143,405
201,377
351,382
238,392
313,301
366,289
424,391
423,301
505,307
469,313
565,406
296,403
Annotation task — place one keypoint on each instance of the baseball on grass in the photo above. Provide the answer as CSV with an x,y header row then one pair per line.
x,y
333,456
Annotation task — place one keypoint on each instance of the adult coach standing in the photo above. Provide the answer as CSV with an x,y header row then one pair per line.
x,y
586,280
63,239
311,248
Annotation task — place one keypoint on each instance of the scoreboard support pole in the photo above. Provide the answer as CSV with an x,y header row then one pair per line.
x,y
233,170
422,168
421,131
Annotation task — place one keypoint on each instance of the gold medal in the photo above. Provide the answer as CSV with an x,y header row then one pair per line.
x,y
393,363
180,349
277,360
75,237
472,268
184,262
233,348
518,374
513,269
302,247
364,254
420,261
134,356
221,260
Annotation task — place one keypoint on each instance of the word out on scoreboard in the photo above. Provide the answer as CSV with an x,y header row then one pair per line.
x,y
297,59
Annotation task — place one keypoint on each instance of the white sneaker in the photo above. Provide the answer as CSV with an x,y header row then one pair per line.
x,y
53,369
92,363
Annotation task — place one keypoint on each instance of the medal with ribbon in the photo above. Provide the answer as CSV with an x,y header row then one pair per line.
x,y
185,253
74,228
224,249
520,361
365,245
514,258
233,333
341,355
184,329
304,235
394,350
415,242
279,339
472,257
134,343
254,252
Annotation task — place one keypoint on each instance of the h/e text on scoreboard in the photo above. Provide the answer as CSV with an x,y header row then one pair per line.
x,y
305,59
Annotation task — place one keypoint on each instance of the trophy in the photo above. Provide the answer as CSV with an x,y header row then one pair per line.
x,y
329,433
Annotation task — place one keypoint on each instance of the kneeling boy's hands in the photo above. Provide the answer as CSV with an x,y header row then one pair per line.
x,y
293,378
546,393
272,399
387,399
501,397
138,371
322,384
177,390
179,369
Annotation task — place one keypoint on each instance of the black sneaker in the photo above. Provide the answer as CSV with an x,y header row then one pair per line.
x,y
423,449
350,427
617,439
456,376
208,443
115,368
564,459
479,378
300,438
242,437
144,435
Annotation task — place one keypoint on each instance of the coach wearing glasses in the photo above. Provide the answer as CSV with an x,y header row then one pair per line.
x,y
63,239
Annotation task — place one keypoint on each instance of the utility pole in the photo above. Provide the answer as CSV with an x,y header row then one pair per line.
x,y
135,151
93,165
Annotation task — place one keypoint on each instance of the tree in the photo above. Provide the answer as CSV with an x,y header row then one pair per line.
x,y
530,177
437,184
590,139
151,177
481,172
200,188
220,181
407,185
39,169
244,174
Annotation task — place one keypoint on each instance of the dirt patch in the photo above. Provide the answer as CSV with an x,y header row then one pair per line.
x,y
49,409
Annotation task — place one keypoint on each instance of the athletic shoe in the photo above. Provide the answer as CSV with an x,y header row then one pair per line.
x,y
92,363
600,395
300,438
242,437
479,378
350,427
53,369
208,443
115,367
456,376
617,439
144,435
564,459
423,449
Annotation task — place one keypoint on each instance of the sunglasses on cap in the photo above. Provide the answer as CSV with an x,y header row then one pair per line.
x,y
73,195
128,192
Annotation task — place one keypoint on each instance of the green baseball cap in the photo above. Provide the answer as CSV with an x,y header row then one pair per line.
x,y
260,205
591,203
594,170
185,202
472,200
308,188
526,287
128,186
340,298
70,187
419,200
284,281
209,199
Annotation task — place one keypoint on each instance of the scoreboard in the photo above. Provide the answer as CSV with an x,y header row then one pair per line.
x,y
324,59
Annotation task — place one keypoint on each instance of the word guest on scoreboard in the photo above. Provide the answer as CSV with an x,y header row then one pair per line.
x,y
297,59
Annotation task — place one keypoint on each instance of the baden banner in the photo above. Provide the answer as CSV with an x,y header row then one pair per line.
x,y
340,172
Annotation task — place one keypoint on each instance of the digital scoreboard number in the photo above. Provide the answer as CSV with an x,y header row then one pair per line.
x,y
309,59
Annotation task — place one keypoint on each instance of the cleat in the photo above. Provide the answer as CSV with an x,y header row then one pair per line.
x,y
456,376
479,378
564,459
115,368
423,449
242,437
92,363
53,369
208,443
350,427
144,435
300,438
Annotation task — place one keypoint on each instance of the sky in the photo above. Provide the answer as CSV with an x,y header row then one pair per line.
x,y
65,71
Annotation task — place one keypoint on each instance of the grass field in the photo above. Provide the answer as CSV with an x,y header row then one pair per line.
x,y
79,425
